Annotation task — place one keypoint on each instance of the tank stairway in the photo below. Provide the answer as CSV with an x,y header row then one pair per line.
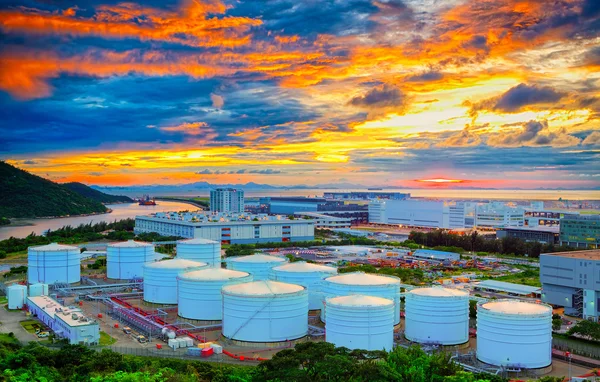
x,y
255,313
578,302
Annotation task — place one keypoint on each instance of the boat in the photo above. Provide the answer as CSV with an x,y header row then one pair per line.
x,y
374,189
146,201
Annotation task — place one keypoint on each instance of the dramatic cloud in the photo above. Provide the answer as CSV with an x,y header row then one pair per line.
x,y
592,139
518,98
533,133
461,139
217,100
380,99
427,76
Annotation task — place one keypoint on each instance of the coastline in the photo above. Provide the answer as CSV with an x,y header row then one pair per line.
x,y
25,222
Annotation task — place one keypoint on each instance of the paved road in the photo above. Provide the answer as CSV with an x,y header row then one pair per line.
x,y
10,323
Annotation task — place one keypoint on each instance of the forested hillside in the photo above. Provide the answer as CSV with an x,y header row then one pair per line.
x,y
96,195
24,195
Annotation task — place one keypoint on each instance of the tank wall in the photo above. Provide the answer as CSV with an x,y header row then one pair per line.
x,y
36,290
53,266
126,263
202,300
439,320
370,328
514,340
206,253
160,284
259,271
389,291
16,297
311,280
265,319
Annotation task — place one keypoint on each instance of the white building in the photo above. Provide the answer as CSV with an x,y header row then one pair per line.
x,y
325,221
421,213
227,200
498,214
65,322
227,228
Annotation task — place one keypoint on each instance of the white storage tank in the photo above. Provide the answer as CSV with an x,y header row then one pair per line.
x,y
360,322
259,266
437,315
124,260
514,333
199,292
203,250
362,283
160,279
265,311
17,296
53,263
306,274
38,290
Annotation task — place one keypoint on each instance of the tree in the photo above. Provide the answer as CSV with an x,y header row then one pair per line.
x,y
556,324
586,329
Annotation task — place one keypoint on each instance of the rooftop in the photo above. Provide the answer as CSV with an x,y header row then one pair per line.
x,y
535,229
54,309
359,300
175,264
361,278
508,287
592,254
516,307
53,247
200,218
257,259
439,292
301,266
262,288
130,244
213,274
197,241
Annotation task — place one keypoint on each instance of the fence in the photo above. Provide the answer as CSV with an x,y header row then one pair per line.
x,y
167,352
577,347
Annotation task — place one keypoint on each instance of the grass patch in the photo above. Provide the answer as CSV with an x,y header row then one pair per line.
x,y
3,300
31,326
8,339
106,340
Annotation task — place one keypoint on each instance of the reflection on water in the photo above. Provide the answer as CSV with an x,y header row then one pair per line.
x,y
120,211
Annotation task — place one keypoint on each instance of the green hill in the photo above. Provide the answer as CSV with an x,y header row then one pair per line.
x,y
98,196
23,195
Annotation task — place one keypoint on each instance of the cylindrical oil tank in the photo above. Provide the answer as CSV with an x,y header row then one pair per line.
x,y
265,311
17,296
365,284
38,290
306,274
514,333
360,322
437,315
53,263
160,279
124,260
203,250
199,292
259,266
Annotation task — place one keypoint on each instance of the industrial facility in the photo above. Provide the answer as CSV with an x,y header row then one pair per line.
x,y
53,263
259,266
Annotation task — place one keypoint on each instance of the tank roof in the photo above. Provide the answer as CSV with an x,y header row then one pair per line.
x,y
54,247
213,274
439,292
175,264
262,288
359,300
516,307
302,266
130,244
258,259
361,278
196,241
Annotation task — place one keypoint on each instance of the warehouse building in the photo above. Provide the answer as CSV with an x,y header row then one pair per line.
x,y
572,280
540,234
227,228
510,288
323,221
430,254
498,214
65,322
580,231
422,213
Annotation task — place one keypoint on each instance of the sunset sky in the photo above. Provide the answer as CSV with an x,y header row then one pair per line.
x,y
414,93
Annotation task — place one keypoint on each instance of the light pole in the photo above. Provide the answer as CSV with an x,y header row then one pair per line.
x,y
568,355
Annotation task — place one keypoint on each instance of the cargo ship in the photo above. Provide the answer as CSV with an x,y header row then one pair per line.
x,y
146,201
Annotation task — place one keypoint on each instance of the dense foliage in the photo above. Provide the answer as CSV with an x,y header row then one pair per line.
x,y
96,195
4,221
306,362
24,195
477,243
586,329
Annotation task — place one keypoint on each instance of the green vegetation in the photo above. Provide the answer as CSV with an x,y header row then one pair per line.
x,y
31,326
4,221
28,196
586,329
96,195
98,264
16,271
106,340
477,243
530,276
9,339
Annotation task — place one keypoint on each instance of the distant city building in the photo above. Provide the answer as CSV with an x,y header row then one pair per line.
x,y
430,254
540,234
580,231
227,200
290,205
361,195
421,213
68,323
572,280
323,221
227,228
498,215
